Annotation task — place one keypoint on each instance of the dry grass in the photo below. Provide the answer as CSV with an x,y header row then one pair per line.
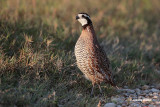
x,y
37,39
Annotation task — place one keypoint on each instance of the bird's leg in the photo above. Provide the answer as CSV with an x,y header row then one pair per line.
x,y
100,88
92,92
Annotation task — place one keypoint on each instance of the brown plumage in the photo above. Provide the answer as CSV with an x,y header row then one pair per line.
x,y
91,59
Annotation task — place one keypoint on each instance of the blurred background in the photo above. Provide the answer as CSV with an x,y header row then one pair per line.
x,y
37,39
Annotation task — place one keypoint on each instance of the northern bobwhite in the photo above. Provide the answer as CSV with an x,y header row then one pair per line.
x,y
91,59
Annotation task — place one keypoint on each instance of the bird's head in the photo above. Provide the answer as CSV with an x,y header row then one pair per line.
x,y
84,19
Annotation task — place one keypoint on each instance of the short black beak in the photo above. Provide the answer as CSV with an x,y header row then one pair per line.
x,y
77,17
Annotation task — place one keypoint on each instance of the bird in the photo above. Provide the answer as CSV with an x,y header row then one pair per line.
x,y
91,59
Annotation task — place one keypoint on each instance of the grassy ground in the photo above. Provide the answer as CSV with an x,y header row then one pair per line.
x,y
37,39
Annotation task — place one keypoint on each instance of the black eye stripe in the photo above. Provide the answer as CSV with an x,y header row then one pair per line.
x,y
86,17
84,13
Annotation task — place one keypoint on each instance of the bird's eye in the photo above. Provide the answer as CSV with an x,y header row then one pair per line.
x,y
82,15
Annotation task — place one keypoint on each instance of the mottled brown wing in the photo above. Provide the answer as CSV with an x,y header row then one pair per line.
x,y
103,57
100,62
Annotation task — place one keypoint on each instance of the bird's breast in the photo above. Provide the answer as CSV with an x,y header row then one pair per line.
x,y
82,54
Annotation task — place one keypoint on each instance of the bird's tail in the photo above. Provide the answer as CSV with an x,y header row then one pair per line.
x,y
113,84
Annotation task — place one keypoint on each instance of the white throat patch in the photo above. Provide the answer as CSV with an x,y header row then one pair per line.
x,y
82,20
